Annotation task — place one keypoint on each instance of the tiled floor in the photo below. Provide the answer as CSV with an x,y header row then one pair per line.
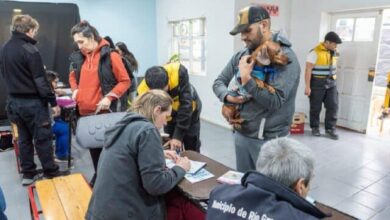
x,y
352,174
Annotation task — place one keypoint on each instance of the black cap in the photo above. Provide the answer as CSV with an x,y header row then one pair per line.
x,y
248,16
333,37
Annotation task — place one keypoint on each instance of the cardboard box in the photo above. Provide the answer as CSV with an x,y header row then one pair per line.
x,y
298,123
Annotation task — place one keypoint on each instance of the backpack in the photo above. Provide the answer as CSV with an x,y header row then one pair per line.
x,y
107,81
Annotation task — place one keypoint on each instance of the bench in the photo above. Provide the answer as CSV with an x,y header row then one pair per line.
x,y
60,198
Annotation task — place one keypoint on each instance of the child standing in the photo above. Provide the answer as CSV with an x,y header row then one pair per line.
x,y
60,127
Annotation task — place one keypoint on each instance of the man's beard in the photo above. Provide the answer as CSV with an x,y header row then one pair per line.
x,y
253,44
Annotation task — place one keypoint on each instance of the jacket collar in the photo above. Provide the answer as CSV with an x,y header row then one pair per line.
x,y
22,36
282,192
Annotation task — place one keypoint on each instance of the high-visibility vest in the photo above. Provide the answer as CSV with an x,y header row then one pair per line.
x,y
173,85
326,63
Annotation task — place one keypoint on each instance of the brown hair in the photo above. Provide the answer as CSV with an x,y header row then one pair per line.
x,y
145,104
86,29
24,23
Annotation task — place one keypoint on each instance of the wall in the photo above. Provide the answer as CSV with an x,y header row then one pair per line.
x,y
307,29
136,21
278,23
220,20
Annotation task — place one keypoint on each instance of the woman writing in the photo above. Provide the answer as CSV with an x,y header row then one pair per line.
x,y
132,176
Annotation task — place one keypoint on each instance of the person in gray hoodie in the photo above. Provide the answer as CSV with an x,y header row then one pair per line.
x,y
132,176
266,115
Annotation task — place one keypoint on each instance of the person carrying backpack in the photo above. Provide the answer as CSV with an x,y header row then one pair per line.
x,y
131,65
98,77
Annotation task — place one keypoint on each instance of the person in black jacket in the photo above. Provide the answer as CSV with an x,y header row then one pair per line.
x,y
277,190
29,94
184,125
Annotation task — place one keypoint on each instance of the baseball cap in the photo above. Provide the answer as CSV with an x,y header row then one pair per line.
x,y
333,37
248,16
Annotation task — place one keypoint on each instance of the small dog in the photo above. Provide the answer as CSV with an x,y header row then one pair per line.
x,y
267,53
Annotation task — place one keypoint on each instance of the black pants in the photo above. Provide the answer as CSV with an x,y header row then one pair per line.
x,y
34,126
330,99
191,140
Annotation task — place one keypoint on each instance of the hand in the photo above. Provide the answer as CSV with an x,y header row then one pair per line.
x,y
104,104
175,144
171,154
235,99
74,94
245,68
56,111
184,163
307,91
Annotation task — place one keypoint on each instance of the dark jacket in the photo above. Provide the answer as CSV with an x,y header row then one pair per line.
x,y
132,178
260,197
275,109
186,106
22,69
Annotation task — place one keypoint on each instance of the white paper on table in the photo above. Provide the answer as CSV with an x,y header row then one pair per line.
x,y
202,174
195,165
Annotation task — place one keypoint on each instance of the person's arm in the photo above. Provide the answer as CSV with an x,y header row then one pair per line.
x,y
156,178
308,70
286,80
121,76
184,113
220,85
73,84
38,73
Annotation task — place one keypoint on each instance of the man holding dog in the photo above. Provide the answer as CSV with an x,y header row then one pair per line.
x,y
265,115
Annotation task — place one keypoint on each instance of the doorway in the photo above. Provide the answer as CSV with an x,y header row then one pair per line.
x,y
360,32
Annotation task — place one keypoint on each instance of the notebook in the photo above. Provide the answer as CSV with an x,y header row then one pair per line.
x,y
231,177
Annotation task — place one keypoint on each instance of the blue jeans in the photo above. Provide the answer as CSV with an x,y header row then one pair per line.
x,y
61,131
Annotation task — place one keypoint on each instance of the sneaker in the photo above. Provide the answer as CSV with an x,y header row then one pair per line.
x,y
26,181
56,174
62,159
331,133
315,132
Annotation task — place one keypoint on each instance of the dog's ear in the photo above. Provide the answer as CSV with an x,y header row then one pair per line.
x,y
262,56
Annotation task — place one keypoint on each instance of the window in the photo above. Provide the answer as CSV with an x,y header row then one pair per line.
x,y
188,41
356,29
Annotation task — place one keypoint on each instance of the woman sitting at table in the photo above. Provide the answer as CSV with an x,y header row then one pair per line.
x,y
132,176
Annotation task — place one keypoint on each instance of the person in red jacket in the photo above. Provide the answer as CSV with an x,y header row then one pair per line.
x,y
98,77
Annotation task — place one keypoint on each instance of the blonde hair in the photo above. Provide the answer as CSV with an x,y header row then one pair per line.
x,y
145,104
24,23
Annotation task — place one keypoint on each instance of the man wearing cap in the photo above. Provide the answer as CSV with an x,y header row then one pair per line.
x,y
320,81
265,115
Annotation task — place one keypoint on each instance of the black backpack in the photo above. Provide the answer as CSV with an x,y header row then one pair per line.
x,y
107,81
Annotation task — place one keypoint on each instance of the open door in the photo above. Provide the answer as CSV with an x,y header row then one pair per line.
x,y
358,55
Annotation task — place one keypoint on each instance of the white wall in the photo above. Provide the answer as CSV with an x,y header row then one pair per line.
x,y
278,23
130,21
306,26
220,20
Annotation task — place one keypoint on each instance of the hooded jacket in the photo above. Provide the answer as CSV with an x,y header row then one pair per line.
x,y
132,177
90,86
277,109
260,198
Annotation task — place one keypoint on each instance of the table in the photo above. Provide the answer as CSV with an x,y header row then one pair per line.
x,y
200,191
